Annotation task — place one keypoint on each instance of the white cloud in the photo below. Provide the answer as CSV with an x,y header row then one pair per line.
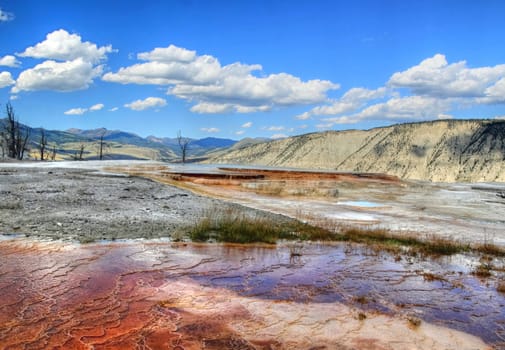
x,y
210,130
247,125
150,102
76,111
81,111
9,61
5,16
240,132
444,116
275,128
399,108
216,88
211,108
351,101
61,45
304,116
434,77
6,79
168,54
58,76
96,107
251,109
495,93
279,136
113,109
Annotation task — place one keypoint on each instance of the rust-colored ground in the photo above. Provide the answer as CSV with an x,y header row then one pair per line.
x,y
136,295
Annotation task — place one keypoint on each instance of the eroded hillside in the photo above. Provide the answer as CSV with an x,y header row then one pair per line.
x,y
448,150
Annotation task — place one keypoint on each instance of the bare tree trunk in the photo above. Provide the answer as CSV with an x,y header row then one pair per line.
x,y
183,144
42,144
101,146
53,153
81,151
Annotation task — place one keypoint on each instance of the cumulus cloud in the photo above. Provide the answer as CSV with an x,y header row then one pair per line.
x,y
96,107
81,111
6,16
113,109
494,93
58,76
76,111
216,88
351,101
399,108
247,125
150,102
70,65
63,46
425,91
435,77
5,79
240,132
9,61
211,108
168,54
210,130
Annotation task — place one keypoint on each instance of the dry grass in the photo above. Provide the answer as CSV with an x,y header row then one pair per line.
x,y
233,225
430,277
413,321
500,287
483,270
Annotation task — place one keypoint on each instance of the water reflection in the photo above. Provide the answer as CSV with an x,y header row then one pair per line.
x,y
195,296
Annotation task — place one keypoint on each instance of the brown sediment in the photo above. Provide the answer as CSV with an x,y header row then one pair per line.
x,y
190,296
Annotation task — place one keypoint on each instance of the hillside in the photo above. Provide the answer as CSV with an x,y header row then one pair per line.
x,y
447,150
118,145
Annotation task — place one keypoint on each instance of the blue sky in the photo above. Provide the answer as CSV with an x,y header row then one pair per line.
x,y
237,69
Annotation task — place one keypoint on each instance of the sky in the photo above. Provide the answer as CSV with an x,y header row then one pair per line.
x,y
235,69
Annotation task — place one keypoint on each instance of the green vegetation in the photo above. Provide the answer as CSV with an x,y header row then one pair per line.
x,y
235,226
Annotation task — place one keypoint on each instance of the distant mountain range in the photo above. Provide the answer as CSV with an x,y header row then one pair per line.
x,y
120,144
444,150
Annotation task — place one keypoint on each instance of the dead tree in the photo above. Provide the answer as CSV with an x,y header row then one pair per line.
x,y
81,150
3,144
42,144
101,145
15,139
183,144
53,152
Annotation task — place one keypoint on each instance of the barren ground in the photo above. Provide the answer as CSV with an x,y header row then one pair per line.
x,y
86,204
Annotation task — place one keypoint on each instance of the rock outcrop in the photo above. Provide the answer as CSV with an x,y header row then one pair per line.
x,y
442,151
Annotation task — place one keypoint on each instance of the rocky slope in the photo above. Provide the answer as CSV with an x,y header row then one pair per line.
x,y
447,150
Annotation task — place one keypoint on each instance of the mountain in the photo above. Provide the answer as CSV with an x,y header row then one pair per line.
x,y
446,150
196,147
118,144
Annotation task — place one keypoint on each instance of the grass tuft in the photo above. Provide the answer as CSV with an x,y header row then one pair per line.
x,y
483,270
501,286
236,226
